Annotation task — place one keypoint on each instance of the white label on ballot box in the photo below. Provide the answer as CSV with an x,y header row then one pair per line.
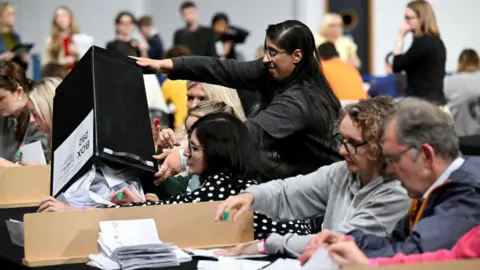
x,y
73,153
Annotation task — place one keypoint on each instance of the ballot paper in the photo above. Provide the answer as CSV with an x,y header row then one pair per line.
x,y
320,260
33,153
231,264
284,264
15,229
134,244
210,253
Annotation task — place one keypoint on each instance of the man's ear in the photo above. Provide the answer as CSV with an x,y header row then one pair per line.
x,y
297,56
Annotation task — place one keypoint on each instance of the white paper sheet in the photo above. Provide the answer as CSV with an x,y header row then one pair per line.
x,y
16,231
231,264
33,153
320,260
210,254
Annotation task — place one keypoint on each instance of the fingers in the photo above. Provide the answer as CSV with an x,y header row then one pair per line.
x,y
305,256
243,209
337,258
163,173
46,205
150,197
224,252
161,156
220,209
167,138
48,199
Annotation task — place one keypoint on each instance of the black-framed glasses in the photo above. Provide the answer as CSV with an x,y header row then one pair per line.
x,y
193,147
395,157
350,146
271,52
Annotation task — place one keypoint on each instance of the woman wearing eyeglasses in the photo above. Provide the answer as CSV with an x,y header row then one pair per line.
x,y
294,120
424,62
351,194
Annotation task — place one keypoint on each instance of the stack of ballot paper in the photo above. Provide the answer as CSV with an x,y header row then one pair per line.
x,y
134,244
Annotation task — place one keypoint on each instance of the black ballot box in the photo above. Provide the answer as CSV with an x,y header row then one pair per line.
x,y
100,113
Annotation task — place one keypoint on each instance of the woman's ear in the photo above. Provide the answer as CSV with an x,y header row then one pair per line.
x,y
20,93
297,56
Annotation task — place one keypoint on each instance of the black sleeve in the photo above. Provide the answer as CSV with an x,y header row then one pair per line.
x,y
110,46
227,72
156,47
418,48
212,50
283,117
176,38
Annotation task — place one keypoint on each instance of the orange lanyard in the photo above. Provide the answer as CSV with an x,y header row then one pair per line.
x,y
415,214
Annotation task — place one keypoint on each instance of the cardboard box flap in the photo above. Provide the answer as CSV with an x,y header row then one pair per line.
x,y
72,236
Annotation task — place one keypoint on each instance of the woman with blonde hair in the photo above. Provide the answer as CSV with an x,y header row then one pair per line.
x,y
59,46
8,37
331,30
424,62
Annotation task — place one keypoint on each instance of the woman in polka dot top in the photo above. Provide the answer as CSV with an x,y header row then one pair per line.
x,y
222,157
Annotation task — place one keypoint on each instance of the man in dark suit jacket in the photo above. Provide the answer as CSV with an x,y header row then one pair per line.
x,y
155,44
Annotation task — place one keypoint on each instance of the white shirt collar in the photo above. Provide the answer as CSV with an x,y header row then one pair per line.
x,y
455,165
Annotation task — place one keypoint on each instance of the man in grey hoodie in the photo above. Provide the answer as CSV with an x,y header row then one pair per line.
x,y
351,194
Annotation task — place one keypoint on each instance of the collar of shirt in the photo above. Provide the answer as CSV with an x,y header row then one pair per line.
x,y
457,163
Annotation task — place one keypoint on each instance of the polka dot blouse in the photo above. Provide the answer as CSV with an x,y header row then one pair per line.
x,y
219,187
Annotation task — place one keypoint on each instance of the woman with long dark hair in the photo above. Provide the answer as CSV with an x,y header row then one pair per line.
x,y
293,123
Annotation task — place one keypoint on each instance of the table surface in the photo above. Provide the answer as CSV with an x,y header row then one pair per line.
x,y
11,255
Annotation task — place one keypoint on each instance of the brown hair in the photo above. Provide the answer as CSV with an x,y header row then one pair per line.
x,y
426,18
145,21
368,115
176,51
13,76
468,60
54,70
56,43
3,7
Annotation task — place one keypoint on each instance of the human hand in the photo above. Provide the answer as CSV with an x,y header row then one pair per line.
x,y
7,56
51,204
6,163
167,138
124,196
150,197
321,240
250,248
72,49
404,29
69,59
25,57
157,65
171,165
347,253
240,203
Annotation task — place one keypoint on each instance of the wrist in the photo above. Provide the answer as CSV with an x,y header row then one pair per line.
x,y
261,246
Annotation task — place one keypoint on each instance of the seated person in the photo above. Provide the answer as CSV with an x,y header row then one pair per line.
x,y
225,159
347,253
352,194
421,148
393,84
176,185
344,79
54,70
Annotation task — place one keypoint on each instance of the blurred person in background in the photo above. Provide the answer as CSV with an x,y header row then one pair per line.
x,y
59,47
16,129
123,42
199,39
9,38
151,35
462,90
344,79
259,53
331,30
393,84
424,62
227,36
54,70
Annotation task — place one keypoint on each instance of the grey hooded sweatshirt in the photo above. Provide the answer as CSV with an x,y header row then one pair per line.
x,y
334,193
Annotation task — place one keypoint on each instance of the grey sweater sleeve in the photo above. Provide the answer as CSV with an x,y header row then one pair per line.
x,y
300,197
289,244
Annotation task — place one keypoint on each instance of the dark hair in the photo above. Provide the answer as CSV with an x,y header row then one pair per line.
x,y
219,16
124,13
327,51
468,59
12,76
187,4
229,149
54,70
177,50
145,21
325,107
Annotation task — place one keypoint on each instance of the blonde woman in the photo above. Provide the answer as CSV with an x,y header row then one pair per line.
x,y
8,37
59,46
424,62
175,161
331,30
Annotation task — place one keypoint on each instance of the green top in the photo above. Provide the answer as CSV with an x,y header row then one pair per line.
x,y
174,186
9,41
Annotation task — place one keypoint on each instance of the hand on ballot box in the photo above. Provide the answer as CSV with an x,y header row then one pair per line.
x,y
51,204
171,165
167,139
240,203
322,240
125,196
250,248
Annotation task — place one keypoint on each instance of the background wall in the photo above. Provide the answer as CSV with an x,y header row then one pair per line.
x,y
456,20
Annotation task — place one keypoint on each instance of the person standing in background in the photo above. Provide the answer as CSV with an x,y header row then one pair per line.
x,y
199,39
227,36
424,62
123,42
8,37
331,30
59,47
151,35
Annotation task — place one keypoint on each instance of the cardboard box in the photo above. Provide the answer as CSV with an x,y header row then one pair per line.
x,y
69,237
101,114
24,186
